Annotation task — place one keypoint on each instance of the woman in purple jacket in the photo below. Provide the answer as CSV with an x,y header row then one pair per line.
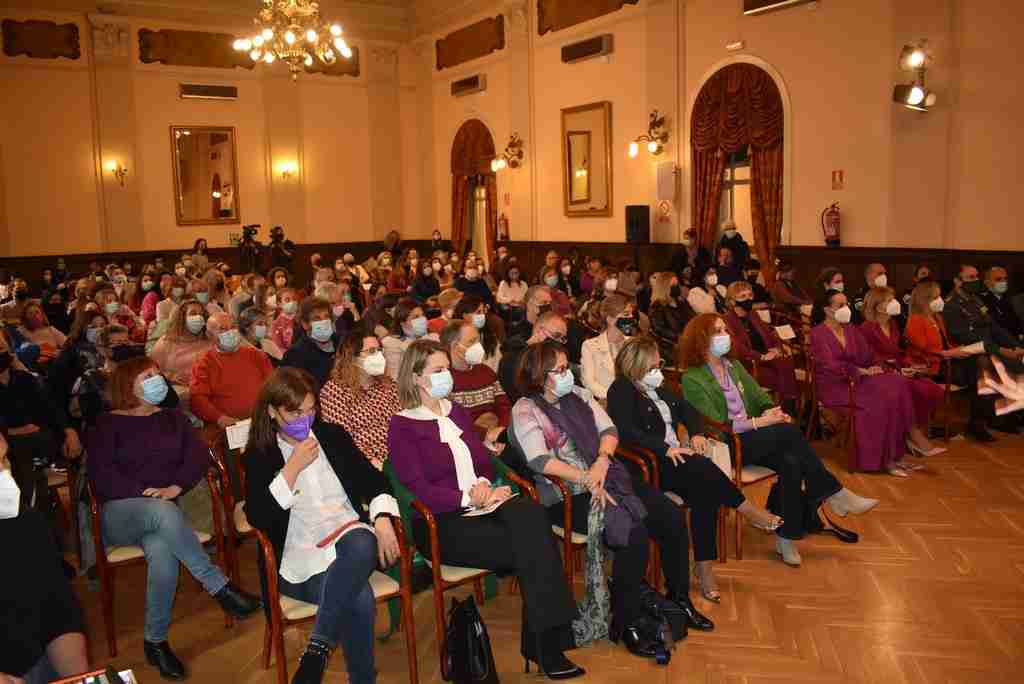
x,y
438,456
142,458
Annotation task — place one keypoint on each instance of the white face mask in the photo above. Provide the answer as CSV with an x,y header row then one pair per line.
x,y
937,305
653,379
731,233
893,308
10,496
712,280
290,308
843,315
374,364
475,354
611,285
551,281
838,287
881,281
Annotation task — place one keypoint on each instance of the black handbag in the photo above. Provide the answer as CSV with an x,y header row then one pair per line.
x,y
466,655
813,524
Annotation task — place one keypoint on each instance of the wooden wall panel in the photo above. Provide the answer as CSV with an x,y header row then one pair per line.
x,y
555,15
41,39
191,48
471,42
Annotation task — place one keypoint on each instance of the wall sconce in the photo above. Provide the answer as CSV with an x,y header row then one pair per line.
x,y
655,138
915,58
119,172
512,157
288,169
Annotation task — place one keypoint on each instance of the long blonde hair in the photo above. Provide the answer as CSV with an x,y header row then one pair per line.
x,y
177,331
413,361
661,288
874,297
922,296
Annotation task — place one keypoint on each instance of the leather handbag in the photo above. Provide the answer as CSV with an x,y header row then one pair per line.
x,y
466,655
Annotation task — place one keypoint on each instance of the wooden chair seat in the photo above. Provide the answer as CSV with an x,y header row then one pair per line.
x,y
383,588
755,473
120,554
457,574
578,539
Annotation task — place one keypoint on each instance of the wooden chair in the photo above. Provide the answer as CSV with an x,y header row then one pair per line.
x,y
112,558
446,577
948,390
238,527
743,476
846,414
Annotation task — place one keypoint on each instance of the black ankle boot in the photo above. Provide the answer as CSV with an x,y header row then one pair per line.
x,y
551,661
236,602
694,620
162,658
313,663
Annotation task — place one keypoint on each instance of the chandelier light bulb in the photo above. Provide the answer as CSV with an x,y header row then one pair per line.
x,y
494,165
346,52
257,41
255,55
289,37
267,34
309,60
634,149
269,58
916,58
311,36
652,147
237,45
246,45
335,30
916,95
329,56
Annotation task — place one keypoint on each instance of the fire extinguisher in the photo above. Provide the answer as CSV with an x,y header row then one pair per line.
x,y
830,225
503,228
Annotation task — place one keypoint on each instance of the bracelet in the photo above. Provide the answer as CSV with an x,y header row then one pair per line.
x,y
585,480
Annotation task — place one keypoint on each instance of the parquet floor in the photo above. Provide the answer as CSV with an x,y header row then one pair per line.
x,y
932,593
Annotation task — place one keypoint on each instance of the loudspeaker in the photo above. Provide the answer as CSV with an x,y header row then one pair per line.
x,y
638,224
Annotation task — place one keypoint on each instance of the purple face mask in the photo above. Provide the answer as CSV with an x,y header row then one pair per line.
x,y
298,428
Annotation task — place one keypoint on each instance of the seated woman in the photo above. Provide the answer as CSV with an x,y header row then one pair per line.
x,y
399,279
563,432
474,310
753,339
36,328
426,284
142,458
152,287
285,329
118,312
408,324
669,311
884,405
786,292
619,323
79,352
173,295
360,396
184,342
722,390
511,289
928,344
881,330
438,456
252,323
708,296
649,415
295,463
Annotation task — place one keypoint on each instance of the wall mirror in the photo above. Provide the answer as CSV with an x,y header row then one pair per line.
x,y
586,159
205,165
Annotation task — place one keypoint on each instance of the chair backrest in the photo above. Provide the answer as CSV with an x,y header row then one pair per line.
x,y
403,496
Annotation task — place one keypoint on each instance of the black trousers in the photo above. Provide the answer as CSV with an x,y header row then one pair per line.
x,y
783,448
704,488
22,449
664,524
515,539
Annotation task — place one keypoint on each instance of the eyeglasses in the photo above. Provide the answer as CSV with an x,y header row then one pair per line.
x,y
558,371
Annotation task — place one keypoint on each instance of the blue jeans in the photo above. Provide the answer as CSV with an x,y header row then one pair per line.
x,y
346,606
160,528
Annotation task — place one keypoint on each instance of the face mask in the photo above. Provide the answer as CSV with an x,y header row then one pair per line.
x,y
551,281
99,279
418,326
543,309
123,352
437,238
194,324
6,359
437,267
893,308
881,281
228,341
937,305
973,287
299,428
843,315
290,308
687,242
720,345
338,310
502,256
91,334
475,354
112,308
711,280
21,294
180,272
838,287
479,320
154,390
375,364
1000,287
653,379
611,285
746,305
10,496
259,331
675,291
441,384
730,233
203,297
272,301
321,331
564,383
627,326
471,274
566,270
513,276
177,292
147,285
427,272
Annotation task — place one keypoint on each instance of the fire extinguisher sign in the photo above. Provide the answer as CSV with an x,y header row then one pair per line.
x,y
838,179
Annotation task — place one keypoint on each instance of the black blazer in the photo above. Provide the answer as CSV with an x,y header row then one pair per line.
x,y
639,421
362,482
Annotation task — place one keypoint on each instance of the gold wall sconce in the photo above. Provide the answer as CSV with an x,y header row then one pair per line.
x,y
512,157
288,169
655,138
119,172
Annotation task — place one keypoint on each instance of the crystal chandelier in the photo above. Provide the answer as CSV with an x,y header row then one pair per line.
x,y
291,30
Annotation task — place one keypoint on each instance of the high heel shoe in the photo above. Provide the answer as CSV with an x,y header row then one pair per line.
x,y
896,470
748,511
708,585
551,665
918,451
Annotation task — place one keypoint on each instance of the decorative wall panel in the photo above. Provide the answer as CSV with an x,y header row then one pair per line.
x,y
555,15
191,48
41,39
471,42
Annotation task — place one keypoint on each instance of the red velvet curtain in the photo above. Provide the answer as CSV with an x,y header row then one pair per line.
x,y
740,105
460,215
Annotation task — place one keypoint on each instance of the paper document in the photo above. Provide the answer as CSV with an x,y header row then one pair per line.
x,y
489,509
785,332
765,315
238,434
976,348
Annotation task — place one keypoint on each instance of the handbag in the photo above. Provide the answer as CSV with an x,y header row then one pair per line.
x,y
813,524
466,655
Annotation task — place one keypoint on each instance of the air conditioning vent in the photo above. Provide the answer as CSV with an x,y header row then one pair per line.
x,y
468,86
598,46
195,91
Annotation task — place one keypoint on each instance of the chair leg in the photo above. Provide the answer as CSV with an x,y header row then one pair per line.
x,y
107,589
282,659
409,627
439,624
267,644
739,536
478,591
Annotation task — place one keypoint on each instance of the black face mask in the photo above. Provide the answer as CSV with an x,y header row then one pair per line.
x,y
747,305
123,352
973,287
220,285
6,359
627,326
675,291
543,309
21,294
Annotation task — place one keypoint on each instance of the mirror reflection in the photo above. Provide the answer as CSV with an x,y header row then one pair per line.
x,y
586,160
205,175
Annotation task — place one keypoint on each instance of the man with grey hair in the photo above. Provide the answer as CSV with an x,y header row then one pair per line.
x,y
732,239
548,325
1000,307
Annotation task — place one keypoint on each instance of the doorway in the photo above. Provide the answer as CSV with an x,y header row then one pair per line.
x,y
474,190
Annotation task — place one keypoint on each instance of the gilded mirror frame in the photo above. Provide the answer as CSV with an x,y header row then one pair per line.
x,y
570,208
236,200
